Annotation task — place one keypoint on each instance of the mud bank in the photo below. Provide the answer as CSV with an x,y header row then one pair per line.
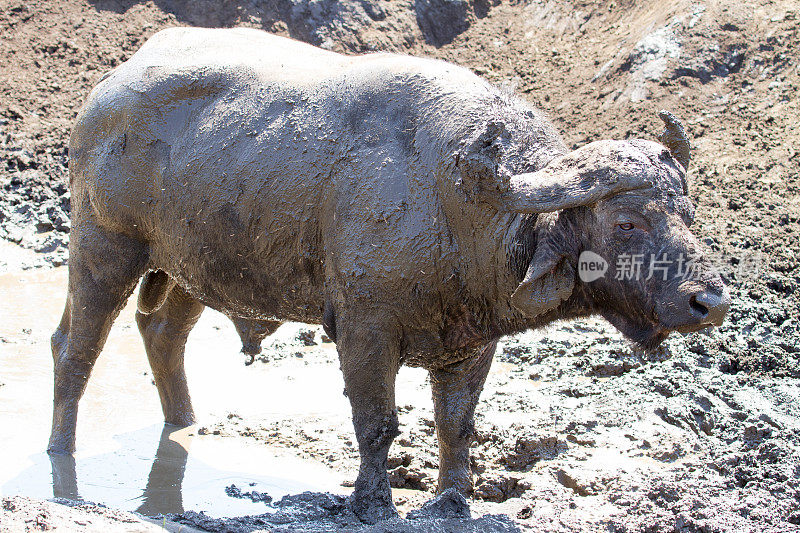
x,y
26,514
576,432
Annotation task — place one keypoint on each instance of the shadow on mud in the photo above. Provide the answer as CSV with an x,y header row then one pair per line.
x,y
438,22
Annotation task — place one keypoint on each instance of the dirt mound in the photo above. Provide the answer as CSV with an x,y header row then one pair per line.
x,y
27,514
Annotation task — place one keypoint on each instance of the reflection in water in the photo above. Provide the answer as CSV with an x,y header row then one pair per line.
x,y
65,480
163,493
165,469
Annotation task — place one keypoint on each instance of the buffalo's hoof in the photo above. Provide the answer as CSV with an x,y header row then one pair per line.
x,y
372,510
180,420
56,450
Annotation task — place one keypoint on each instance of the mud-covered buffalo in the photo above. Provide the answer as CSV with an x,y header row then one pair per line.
x,y
414,210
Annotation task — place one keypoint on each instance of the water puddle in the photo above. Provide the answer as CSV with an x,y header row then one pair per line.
x,y
126,457
158,470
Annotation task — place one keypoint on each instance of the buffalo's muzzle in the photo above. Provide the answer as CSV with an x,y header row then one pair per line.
x,y
710,307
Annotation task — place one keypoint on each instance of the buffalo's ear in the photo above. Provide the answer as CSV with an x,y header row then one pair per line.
x,y
478,160
548,281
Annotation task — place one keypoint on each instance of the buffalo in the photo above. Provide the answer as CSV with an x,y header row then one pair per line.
x,y
413,209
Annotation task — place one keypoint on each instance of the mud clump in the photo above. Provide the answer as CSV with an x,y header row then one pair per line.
x,y
306,336
235,492
498,488
312,511
317,510
529,449
449,504
403,478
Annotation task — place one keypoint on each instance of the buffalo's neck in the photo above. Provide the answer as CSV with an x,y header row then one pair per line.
x,y
483,313
578,305
520,243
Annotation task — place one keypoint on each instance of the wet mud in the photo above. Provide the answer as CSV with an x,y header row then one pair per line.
x,y
575,432
129,460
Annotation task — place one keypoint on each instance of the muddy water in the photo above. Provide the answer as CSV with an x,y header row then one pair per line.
x,y
126,457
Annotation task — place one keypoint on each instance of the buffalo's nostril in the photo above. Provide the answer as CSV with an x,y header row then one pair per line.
x,y
711,307
699,309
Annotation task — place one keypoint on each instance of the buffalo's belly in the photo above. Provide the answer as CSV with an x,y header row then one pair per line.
x,y
238,276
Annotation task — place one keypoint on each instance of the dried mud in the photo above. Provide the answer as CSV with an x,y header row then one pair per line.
x,y
576,431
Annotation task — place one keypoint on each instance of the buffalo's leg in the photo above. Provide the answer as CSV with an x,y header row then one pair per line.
x,y
165,332
103,270
456,390
369,355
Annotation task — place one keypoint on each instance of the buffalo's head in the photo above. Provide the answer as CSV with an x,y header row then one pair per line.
x,y
613,233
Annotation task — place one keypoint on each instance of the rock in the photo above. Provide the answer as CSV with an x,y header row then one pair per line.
x,y
442,20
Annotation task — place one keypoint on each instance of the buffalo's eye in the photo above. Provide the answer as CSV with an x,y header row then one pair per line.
x,y
626,226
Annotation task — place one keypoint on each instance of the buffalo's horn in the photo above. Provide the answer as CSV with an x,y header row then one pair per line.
x,y
584,176
674,137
